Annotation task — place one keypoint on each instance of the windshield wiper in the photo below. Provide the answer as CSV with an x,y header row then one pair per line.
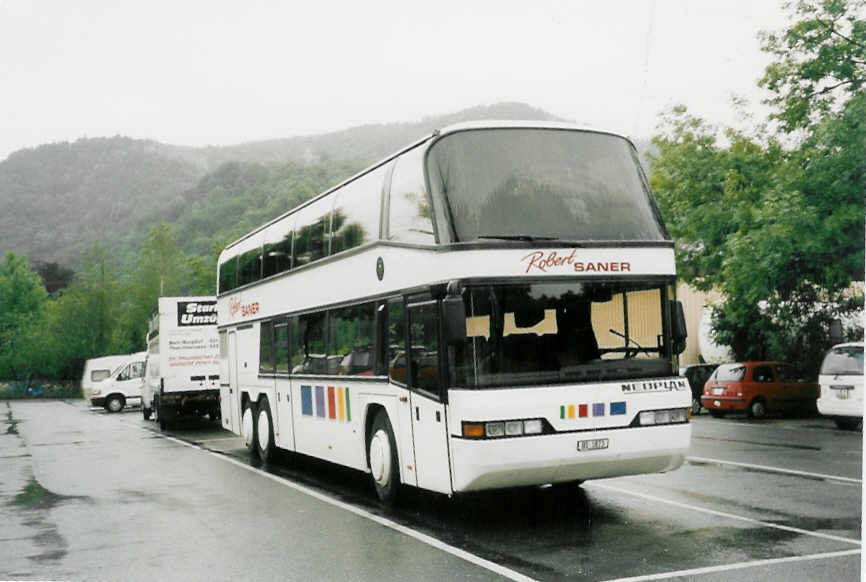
x,y
630,354
520,237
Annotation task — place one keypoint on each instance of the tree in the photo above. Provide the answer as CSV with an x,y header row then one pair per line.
x,y
22,304
779,230
818,58
161,270
82,319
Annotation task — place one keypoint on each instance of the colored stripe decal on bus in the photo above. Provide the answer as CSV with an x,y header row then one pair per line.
x,y
617,408
320,401
582,411
562,412
598,409
307,400
571,411
332,407
341,407
348,408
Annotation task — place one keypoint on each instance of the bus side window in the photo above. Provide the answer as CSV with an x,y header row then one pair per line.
x,y
250,266
410,217
281,347
308,345
356,212
312,233
395,336
266,356
350,341
424,347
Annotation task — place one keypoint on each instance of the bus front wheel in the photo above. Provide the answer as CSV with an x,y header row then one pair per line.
x,y
382,459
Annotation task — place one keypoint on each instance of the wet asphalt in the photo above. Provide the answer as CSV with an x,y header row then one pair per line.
x,y
85,495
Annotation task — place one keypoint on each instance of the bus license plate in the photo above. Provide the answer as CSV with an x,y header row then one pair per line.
x,y
592,444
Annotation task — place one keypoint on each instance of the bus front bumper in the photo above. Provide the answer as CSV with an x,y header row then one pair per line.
x,y
523,461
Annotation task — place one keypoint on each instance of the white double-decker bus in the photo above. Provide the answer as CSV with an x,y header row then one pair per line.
x,y
490,307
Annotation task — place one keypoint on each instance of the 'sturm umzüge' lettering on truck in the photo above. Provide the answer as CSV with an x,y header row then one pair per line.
x,y
182,375
492,306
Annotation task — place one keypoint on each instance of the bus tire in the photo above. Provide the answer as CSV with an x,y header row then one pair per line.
x,y
248,428
849,423
382,459
264,430
146,412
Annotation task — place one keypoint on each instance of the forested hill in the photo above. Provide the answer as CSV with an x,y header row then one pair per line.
x,y
56,200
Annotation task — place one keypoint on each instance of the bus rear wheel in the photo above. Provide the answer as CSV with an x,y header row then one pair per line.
x,y
264,430
248,428
382,459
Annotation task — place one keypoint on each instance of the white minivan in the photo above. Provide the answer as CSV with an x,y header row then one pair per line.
x,y
98,369
123,387
841,380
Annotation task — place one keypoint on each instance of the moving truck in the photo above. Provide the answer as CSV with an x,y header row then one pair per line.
x,y
123,387
182,375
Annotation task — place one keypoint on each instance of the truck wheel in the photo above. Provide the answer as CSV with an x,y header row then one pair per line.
x,y
146,412
265,430
158,413
382,459
248,428
114,403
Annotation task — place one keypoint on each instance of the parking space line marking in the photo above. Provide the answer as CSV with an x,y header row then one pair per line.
x,y
736,566
725,514
424,538
776,469
779,427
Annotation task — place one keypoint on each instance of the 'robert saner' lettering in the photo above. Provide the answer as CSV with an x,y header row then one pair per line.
x,y
539,261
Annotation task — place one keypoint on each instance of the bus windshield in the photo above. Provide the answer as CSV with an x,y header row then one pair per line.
x,y
548,333
529,184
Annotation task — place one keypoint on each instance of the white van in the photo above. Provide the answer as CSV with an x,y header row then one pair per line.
x,y
841,380
98,369
123,387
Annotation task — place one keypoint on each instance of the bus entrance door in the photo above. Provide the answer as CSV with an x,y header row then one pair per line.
x,y
232,403
429,428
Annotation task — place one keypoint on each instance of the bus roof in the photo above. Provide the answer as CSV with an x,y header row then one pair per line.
x,y
449,129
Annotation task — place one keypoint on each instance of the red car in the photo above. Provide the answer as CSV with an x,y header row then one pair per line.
x,y
757,388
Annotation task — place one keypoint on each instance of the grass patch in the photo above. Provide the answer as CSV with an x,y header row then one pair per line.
x,y
34,495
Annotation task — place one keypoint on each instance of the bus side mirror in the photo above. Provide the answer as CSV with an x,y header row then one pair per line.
x,y
454,319
679,333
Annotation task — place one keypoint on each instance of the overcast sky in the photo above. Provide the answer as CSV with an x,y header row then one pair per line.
x,y
217,72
